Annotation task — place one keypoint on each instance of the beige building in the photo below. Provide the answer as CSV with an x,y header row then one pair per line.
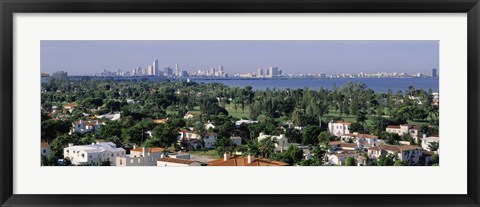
x,y
409,153
339,128
404,129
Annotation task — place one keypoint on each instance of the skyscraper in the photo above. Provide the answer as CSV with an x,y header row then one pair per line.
x,y
155,67
260,72
177,70
167,71
150,70
220,70
272,72
434,72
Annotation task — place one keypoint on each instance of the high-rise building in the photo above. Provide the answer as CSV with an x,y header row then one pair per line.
x,y
177,70
220,70
272,72
167,71
155,67
212,72
434,72
150,70
260,72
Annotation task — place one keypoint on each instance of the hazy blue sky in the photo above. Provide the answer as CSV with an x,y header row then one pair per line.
x,y
89,57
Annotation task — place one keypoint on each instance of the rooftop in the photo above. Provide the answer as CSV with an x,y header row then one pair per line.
x,y
243,161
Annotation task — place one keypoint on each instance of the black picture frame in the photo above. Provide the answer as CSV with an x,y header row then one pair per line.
x,y
10,7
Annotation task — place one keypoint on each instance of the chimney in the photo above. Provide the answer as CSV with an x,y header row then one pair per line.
x,y
70,145
424,136
144,151
250,158
93,143
134,146
81,121
226,156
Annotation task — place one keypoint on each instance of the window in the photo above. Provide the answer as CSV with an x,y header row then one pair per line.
x,y
44,151
83,156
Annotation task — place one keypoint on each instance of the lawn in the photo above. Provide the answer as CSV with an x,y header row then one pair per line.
x,y
238,113
210,153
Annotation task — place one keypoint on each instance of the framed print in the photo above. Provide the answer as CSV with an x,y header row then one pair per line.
x,y
235,103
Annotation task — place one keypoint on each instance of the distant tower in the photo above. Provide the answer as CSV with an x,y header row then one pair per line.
x,y
155,67
177,70
260,72
220,70
434,72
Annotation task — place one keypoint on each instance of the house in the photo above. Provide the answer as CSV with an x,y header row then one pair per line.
x,y
427,156
176,162
131,101
141,156
45,149
366,140
244,121
194,139
189,115
409,153
250,160
339,159
339,128
209,126
404,129
111,117
236,140
342,146
426,141
150,155
281,140
84,126
210,139
93,154
160,121
70,107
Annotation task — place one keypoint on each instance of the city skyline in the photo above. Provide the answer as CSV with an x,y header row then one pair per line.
x,y
296,57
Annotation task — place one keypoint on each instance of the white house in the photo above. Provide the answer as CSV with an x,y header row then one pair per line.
x,y
244,121
409,153
141,156
83,126
150,155
176,162
339,159
282,140
366,140
45,149
189,115
343,146
111,117
428,140
209,125
339,128
194,139
93,154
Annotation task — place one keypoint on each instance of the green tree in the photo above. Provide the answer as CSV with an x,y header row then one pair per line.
x,y
310,135
350,161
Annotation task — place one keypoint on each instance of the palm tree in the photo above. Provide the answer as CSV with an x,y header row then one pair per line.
x,y
267,147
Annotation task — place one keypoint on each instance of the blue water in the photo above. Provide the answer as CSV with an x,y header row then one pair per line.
x,y
376,84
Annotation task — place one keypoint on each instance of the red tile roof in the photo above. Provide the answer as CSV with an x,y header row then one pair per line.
x,y
243,161
176,160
